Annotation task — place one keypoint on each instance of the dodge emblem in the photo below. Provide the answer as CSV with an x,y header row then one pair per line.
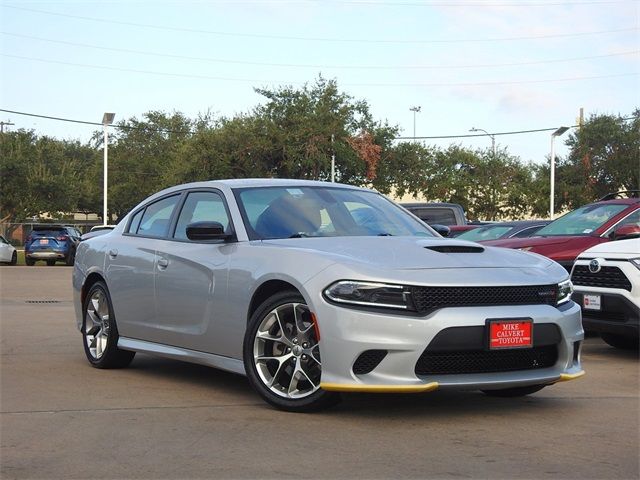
x,y
594,266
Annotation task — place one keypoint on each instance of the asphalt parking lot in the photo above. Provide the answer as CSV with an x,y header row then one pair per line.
x,y
60,418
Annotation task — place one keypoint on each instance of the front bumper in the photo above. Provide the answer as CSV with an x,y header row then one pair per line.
x,y
346,333
618,314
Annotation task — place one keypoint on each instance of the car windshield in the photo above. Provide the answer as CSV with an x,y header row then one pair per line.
x,y
294,212
484,233
582,221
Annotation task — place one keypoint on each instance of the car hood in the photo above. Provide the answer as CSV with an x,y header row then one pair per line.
x,y
412,253
626,247
532,241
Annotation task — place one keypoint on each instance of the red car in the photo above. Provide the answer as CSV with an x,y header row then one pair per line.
x,y
568,236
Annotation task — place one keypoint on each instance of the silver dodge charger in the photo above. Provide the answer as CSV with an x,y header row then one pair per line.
x,y
311,289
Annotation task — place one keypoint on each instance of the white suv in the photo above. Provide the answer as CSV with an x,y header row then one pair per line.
x,y
606,281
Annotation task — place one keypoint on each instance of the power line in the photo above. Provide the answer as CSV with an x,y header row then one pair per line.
x,y
298,65
253,80
321,39
126,127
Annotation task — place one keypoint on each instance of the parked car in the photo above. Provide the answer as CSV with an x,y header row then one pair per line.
x,y
96,231
494,231
312,288
8,253
607,286
438,213
51,243
564,239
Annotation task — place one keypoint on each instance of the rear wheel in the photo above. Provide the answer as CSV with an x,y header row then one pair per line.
x,y
619,341
70,258
99,331
514,392
29,261
14,258
51,263
282,355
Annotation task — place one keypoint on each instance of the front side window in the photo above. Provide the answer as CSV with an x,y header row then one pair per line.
x,y
290,212
582,221
157,217
201,207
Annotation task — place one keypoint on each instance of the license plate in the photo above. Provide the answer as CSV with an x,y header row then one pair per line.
x,y
591,302
510,334
44,241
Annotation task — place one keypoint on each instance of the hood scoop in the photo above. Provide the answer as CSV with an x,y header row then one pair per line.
x,y
455,249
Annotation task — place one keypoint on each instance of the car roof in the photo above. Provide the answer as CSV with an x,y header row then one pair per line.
x,y
516,223
270,182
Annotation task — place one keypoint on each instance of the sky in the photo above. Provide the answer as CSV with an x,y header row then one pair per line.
x,y
496,65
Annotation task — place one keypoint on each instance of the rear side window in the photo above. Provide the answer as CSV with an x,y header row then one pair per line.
x,y
135,222
201,207
157,217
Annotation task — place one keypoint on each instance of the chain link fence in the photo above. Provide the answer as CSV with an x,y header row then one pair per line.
x,y
17,233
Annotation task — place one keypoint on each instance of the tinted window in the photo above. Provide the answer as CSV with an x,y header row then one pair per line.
x,y
527,232
135,222
201,207
157,216
285,212
442,216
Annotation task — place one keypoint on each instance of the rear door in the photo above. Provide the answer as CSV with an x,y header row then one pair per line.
x,y
131,264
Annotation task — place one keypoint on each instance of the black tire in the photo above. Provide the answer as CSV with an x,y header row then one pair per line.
x,y
318,399
70,258
622,342
111,356
514,392
29,261
51,263
14,258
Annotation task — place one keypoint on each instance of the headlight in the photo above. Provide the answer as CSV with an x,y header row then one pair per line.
x,y
635,262
565,289
369,294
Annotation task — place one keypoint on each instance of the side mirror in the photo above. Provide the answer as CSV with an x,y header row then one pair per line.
x,y
441,229
206,231
629,230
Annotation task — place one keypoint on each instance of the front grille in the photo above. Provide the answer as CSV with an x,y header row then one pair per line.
x,y
617,317
368,360
607,277
483,361
427,299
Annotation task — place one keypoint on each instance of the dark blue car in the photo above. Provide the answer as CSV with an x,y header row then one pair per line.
x,y
51,243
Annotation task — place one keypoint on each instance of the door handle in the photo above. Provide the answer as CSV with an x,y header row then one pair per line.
x,y
163,263
113,253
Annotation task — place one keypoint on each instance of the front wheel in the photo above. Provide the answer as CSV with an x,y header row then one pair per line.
x,y
99,331
282,356
620,341
29,261
14,258
514,392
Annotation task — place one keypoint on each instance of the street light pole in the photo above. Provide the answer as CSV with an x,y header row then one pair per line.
x,y
552,179
107,119
493,138
415,110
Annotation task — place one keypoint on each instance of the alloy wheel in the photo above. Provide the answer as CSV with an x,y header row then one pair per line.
x,y
286,352
97,324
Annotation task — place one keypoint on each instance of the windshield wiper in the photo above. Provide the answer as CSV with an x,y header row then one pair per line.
x,y
299,235
385,234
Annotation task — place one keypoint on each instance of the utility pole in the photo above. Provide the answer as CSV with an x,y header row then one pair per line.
x,y
415,110
2,124
333,161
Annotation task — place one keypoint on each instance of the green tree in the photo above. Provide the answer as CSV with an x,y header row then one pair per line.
x,y
604,157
